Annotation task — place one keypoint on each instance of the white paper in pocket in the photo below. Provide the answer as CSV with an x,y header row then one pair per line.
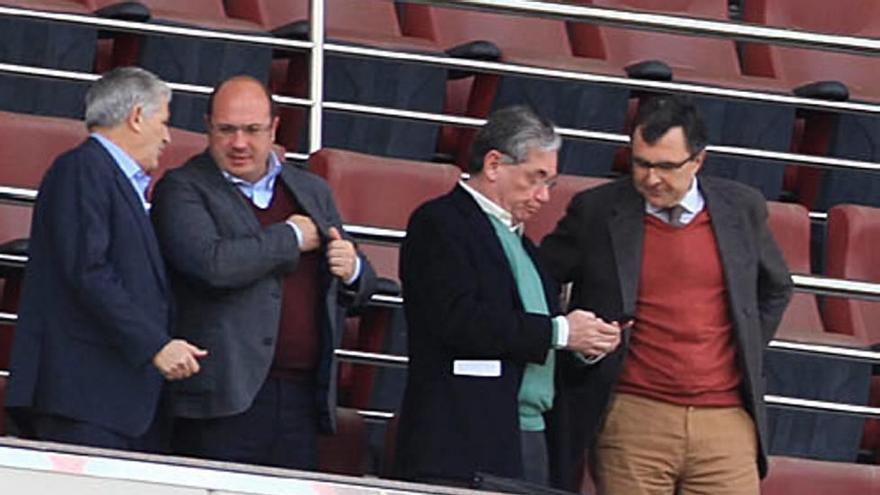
x,y
477,367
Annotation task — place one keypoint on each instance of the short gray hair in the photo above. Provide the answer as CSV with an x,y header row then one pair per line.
x,y
112,98
513,131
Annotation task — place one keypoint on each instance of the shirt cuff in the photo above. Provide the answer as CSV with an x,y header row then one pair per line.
x,y
357,271
297,232
560,332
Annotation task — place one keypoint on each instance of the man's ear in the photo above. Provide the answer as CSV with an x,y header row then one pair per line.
x,y
698,161
492,164
135,117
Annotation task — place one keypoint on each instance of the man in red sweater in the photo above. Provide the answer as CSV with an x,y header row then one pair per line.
x,y
678,407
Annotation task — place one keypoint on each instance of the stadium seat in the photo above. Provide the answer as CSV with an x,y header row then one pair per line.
x,y
45,45
852,233
527,41
375,82
844,135
344,452
543,222
379,192
184,59
708,61
791,476
808,434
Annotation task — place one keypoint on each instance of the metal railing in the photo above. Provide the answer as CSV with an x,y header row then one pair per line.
x,y
686,25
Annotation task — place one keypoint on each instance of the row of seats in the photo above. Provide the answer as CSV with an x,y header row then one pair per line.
x,y
487,36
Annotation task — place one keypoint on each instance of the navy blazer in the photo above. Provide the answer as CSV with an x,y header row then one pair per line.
x,y
227,274
598,246
94,309
462,302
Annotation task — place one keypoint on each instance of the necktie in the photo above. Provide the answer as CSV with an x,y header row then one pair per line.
x,y
674,215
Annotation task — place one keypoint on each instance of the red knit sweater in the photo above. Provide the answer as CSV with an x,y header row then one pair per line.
x,y
296,349
682,348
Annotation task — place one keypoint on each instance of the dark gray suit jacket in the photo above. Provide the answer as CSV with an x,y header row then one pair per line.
x,y
598,246
226,272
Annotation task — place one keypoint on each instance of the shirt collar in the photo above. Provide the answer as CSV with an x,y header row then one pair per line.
x,y
692,201
129,167
492,208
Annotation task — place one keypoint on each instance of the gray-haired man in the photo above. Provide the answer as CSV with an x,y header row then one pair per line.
x,y
483,318
91,346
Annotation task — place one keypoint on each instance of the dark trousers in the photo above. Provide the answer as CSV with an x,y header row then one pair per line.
x,y
59,429
279,429
534,456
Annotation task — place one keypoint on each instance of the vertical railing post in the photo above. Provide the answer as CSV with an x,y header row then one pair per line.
x,y
316,73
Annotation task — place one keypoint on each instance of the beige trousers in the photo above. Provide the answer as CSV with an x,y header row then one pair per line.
x,y
649,447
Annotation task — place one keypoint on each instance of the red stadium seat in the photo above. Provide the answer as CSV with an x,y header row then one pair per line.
x,y
528,41
853,237
543,222
344,452
840,135
790,225
853,234
791,476
370,23
378,192
703,60
184,59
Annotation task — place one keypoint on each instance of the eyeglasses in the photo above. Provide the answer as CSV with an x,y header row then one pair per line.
x,y
229,130
638,162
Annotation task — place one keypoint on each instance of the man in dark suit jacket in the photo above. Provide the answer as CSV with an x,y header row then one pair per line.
x,y
261,275
482,318
679,406
91,344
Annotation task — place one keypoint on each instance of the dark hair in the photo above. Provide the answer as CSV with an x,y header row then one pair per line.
x,y
658,114
513,131
273,109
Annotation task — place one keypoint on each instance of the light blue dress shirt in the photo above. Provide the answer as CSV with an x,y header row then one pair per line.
x,y
139,180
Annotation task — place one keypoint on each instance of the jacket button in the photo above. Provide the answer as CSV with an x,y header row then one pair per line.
x,y
268,341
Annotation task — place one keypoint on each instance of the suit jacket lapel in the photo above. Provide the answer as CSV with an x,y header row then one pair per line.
x,y
218,184
481,226
626,228
306,199
730,234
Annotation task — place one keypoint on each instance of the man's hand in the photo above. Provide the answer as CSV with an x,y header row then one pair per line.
x,y
341,256
590,335
309,231
178,359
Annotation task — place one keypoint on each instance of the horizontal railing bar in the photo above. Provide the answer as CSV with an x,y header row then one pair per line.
x,y
376,234
8,318
827,350
150,28
296,157
376,416
17,195
819,216
821,406
506,68
4,374
362,357
672,23
620,139
836,287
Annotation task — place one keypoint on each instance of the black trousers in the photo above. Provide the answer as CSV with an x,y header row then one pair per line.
x,y
280,429
61,429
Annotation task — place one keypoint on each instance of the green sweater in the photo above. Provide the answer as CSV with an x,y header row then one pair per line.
x,y
536,390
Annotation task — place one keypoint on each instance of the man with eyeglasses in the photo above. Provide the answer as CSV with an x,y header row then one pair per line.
x,y
678,408
483,319
261,271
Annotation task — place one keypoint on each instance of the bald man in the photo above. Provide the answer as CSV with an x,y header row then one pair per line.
x,y
261,272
